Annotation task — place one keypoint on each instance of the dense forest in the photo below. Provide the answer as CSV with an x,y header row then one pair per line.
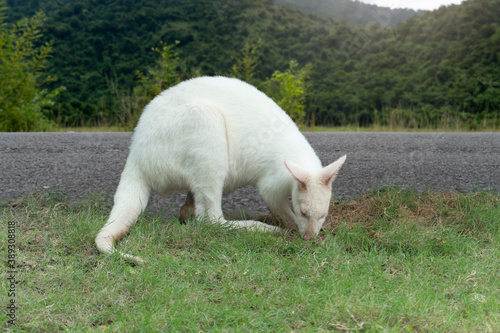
x,y
430,68
351,11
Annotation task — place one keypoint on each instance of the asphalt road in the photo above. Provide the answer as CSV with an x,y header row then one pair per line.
x,y
80,163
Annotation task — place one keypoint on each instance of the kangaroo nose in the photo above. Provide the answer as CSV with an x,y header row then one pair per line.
x,y
308,235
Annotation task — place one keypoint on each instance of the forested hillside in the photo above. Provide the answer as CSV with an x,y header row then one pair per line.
x,y
439,64
351,11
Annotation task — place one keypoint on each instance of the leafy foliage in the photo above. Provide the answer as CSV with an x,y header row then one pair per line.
x,y
288,89
161,77
244,68
22,103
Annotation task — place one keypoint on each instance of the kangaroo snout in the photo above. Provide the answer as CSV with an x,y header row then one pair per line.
x,y
308,235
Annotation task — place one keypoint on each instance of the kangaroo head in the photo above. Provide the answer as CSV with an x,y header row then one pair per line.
x,y
311,196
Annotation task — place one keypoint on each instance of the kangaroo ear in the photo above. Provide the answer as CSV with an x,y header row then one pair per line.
x,y
299,173
329,173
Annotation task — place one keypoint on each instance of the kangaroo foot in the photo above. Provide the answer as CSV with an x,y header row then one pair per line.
x,y
187,210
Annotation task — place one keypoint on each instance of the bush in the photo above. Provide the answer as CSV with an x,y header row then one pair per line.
x,y
289,90
23,106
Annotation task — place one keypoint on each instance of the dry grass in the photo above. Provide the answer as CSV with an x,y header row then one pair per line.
x,y
428,208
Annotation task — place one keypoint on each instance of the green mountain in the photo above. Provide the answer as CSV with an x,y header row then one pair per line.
x,y
351,11
442,62
439,63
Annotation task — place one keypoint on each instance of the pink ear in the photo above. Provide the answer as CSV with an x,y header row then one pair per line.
x,y
299,173
330,172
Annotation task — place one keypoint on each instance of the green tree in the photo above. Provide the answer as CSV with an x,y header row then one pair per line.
x,y
23,105
244,69
166,73
289,90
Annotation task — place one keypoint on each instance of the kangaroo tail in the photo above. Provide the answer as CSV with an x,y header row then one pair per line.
x,y
130,200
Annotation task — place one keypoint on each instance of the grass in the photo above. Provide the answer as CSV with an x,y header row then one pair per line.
x,y
393,260
92,129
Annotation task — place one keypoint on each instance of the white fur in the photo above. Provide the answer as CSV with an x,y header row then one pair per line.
x,y
210,136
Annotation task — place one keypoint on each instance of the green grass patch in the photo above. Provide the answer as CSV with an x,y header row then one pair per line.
x,y
393,260
93,129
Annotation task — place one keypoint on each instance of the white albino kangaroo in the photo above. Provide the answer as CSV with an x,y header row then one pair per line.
x,y
210,136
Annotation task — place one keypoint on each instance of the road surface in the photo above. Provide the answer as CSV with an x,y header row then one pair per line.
x,y
80,163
